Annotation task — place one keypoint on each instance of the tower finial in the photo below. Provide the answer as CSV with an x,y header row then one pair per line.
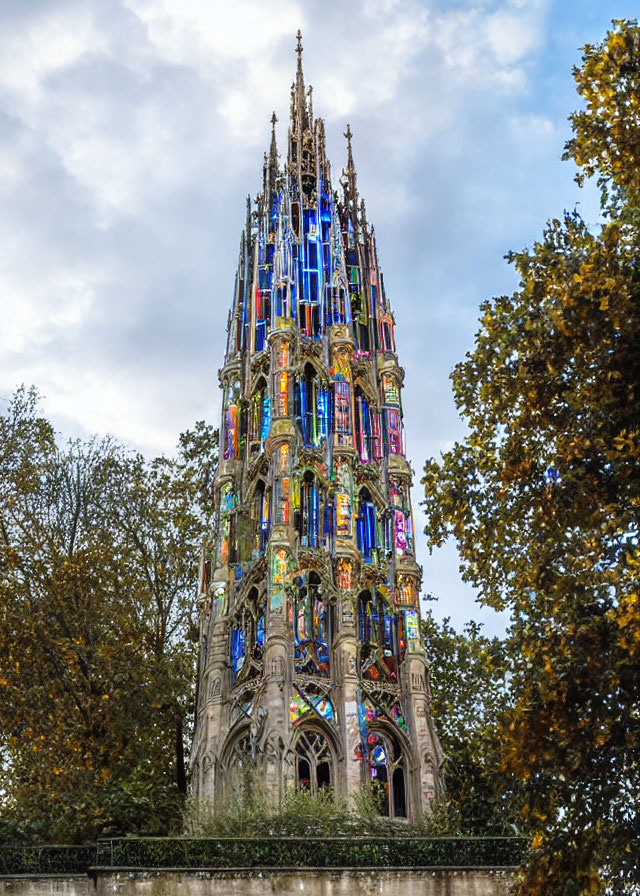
x,y
299,74
301,113
273,151
351,168
349,135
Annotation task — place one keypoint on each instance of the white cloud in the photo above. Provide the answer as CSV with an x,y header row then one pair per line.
x,y
44,44
132,130
481,46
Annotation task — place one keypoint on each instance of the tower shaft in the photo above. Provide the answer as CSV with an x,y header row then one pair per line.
x,y
312,669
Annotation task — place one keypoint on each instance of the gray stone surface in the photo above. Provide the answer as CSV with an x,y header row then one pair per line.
x,y
280,883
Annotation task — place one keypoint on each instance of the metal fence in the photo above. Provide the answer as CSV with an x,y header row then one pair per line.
x,y
306,852
26,860
266,852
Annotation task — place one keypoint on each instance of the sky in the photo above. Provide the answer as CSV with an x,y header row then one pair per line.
x,y
131,132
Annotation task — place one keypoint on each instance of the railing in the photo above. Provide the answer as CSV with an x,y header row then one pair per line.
x,y
305,852
266,852
27,860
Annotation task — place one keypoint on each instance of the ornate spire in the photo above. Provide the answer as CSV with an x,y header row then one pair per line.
x,y
351,168
300,103
271,163
273,151
299,74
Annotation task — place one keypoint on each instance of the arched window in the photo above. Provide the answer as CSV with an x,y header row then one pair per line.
x,y
342,414
314,762
312,407
400,523
232,422
308,518
259,416
261,515
394,430
281,392
367,527
385,333
312,628
381,636
337,307
310,261
238,767
262,308
282,301
386,771
246,640
363,426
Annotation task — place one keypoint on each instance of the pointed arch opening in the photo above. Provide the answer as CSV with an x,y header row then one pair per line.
x,y
246,638
261,515
314,760
381,637
313,624
307,519
386,768
368,430
367,531
259,416
237,766
312,407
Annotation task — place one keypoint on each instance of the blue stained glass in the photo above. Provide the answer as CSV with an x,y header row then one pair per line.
x,y
323,413
360,533
367,530
378,755
266,418
309,215
237,650
260,631
261,332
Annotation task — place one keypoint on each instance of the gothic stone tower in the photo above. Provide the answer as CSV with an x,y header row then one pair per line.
x,y
311,665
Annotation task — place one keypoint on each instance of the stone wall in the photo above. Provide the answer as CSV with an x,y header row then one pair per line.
x,y
382,882
47,885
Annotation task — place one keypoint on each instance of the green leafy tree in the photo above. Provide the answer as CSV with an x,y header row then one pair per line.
x,y
543,497
469,675
98,562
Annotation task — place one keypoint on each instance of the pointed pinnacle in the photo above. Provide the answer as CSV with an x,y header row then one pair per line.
x,y
299,74
349,135
351,169
273,151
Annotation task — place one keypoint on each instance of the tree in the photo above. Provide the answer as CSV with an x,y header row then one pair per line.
x,y
98,562
469,683
543,497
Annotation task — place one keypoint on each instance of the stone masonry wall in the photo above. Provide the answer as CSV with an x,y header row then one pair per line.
x,y
280,883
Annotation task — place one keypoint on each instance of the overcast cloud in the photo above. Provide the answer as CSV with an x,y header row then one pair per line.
x,y
131,132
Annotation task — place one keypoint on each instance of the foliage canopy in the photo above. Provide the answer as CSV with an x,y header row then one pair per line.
x,y
543,497
469,676
97,587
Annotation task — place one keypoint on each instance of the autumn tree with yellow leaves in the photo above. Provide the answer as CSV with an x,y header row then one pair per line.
x,y
543,497
98,567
